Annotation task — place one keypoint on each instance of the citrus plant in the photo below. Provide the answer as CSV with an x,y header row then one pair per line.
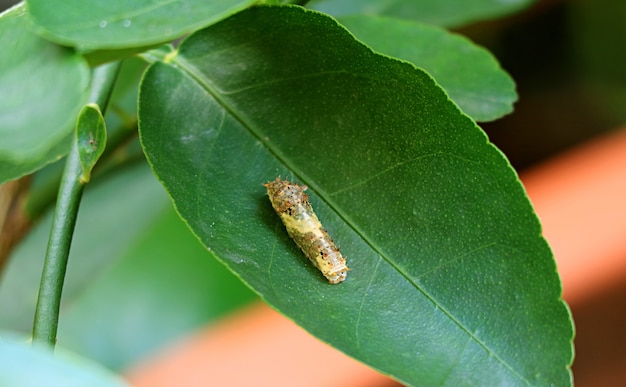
x,y
372,105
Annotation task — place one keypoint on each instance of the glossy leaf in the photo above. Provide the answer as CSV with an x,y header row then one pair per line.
x,y
120,24
91,137
25,365
470,74
42,88
451,282
448,13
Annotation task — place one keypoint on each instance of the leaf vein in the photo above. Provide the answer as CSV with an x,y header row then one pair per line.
x,y
362,303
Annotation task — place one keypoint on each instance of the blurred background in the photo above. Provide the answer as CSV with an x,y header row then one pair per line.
x,y
565,138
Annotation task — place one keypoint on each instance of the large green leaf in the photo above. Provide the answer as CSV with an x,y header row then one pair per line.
x,y
470,74
42,88
120,24
449,13
451,281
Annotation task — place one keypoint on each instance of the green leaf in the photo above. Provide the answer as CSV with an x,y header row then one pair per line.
x,y
121,24
98,57
91,137
451,281
25,365
42,88
449,13
470,74
136,279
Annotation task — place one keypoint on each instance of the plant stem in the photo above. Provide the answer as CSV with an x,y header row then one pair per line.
x,y
63,222
55,264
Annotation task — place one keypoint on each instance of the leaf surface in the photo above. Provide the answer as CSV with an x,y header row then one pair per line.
x,y
470,74
42,88
91,138
61,368
448,13
121,24
451,282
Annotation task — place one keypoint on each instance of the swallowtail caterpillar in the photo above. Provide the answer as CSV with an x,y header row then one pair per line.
x,y
293,207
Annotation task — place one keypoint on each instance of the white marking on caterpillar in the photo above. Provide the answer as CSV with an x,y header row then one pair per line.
x,y
292,205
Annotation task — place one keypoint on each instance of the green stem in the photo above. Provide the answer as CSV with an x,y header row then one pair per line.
x,y
53,276
63,222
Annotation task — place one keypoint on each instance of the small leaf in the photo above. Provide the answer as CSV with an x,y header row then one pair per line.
x,y
451,282
448,13
121,24
470,74
91,138
42,88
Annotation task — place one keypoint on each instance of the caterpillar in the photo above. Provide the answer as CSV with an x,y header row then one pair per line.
x,y
294,209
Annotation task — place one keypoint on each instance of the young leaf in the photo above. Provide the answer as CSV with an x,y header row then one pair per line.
x,y
42,88
451,282
91,137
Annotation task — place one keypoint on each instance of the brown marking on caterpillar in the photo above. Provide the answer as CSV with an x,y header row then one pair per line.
x,y
293,207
